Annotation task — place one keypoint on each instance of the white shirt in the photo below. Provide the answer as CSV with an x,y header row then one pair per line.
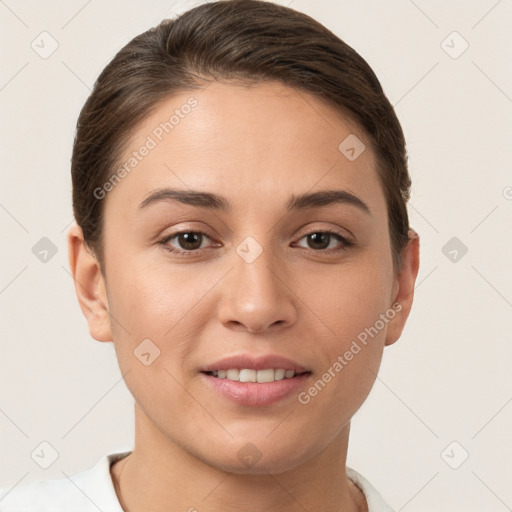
x,y
93,491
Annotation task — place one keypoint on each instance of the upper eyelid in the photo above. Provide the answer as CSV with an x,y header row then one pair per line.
x,y
308,232
345,232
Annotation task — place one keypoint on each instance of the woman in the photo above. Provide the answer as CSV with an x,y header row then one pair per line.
x,y
239,188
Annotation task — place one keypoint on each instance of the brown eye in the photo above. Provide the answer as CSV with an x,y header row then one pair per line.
x,y
185,241
321,240
190,240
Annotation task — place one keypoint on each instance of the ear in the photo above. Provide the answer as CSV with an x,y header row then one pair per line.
x,y
89,285
403,290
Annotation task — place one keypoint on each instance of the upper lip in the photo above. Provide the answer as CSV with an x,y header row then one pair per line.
x,y
247,361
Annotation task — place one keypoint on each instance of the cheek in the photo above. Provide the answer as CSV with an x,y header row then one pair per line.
x,y
348,299
155,299
353,312
171,308
156,327
349,343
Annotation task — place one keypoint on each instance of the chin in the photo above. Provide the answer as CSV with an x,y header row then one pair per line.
x,y
264,466
259,457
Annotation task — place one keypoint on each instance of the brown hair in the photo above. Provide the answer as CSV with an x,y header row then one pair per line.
x,y
246,41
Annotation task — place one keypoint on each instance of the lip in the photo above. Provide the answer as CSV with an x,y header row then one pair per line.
x,y
253,393
242,361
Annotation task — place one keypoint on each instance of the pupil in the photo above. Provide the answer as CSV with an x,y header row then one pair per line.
x,y
188,239
316,237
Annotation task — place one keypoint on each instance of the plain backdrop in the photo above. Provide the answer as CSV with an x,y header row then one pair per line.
x,y
435,432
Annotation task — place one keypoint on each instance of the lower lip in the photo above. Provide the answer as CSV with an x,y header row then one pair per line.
x,y
254,393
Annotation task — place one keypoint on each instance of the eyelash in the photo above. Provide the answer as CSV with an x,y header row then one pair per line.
x,y
164,242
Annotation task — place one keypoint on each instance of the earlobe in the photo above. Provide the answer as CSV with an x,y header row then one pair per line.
x,y
89,285
404,286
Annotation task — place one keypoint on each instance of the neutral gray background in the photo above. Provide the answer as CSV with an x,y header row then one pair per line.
x,y
448,378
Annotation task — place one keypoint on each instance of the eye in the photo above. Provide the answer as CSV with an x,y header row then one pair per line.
x,y
189,241
321,240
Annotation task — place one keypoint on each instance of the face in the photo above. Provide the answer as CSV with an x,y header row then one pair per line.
x,y
264,249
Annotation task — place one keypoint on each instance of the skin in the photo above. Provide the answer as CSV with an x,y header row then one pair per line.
x,y
256,146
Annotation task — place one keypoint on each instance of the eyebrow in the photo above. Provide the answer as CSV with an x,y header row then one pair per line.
x,y
216,202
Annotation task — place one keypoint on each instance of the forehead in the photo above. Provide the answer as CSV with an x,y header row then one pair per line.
x,y
263,139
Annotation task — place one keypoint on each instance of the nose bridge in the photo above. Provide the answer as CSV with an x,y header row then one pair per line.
x,y
255,268
256,295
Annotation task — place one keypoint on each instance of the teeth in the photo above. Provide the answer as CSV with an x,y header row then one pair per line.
x,y
279,374
233,374
265,375
247,375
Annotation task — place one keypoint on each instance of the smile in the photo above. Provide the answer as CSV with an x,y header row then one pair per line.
x,y
249,375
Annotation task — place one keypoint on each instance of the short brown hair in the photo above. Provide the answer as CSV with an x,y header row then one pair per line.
x,y
241,40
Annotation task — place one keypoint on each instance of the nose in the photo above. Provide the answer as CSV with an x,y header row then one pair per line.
x,y
257,295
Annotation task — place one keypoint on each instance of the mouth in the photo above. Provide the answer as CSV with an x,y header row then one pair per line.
x,y
247,380
250,375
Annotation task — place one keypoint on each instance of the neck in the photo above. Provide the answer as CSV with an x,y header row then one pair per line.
x,y
168,477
